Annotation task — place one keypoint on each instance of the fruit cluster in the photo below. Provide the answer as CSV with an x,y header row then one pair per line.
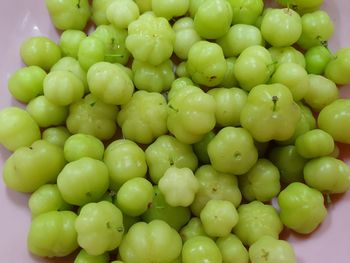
x,y
161,131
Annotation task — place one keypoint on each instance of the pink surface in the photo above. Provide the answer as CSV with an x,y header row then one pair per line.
x,y
21,19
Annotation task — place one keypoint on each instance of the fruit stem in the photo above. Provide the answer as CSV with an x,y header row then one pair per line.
x,y
171,107
114,56
291,6
274,100
322,42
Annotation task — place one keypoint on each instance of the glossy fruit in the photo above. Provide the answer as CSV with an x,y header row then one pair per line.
x,y
27,168
256,220
206,63
338,68
215,185
269,250
167,151
218,217
301,207
148,26
273,107
254,66
193,228
79,184
52,234
134,196
246,11
232,249
200,249
281,27
40,51
99,227
289,163
327,174
213,18
232,150
314,143
125,160
68,14
155,241
317,28
294,77
179,186
262,182
45,199
144,117
335,119
26,83
92,116
175,216
13,121
83,145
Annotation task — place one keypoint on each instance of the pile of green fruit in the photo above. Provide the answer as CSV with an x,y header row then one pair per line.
x,y
160,130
